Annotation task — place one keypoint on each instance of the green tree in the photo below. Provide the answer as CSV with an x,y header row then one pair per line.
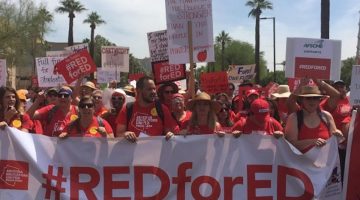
x,y
346,69
256,9
93,19
325,18
71,7
223,39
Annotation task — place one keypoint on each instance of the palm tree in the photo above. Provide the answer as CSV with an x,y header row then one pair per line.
x,y
71,7
325,18
256,9
223,38
93,19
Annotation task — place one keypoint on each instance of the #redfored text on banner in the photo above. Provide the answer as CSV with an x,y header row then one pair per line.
x,y
214,82
165,72
178,13
313,58
76,65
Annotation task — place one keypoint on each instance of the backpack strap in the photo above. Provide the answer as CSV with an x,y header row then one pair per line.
x,y
100,121
159,110
51,113
324,118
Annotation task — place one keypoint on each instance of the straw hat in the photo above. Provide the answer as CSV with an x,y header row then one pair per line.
x,y
282,91
203,96
310,91
89,84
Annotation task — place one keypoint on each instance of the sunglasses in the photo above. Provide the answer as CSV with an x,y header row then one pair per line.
x,y
97,97
169,92
63,95
86,105
117,98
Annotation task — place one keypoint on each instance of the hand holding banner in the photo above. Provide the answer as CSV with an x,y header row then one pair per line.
x,y
76,65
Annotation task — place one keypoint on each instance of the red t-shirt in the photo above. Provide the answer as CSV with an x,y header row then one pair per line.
x,y
76,130
21,121
183,122
110,117
247,126
146,120
342,112
100,112
321,131
58,121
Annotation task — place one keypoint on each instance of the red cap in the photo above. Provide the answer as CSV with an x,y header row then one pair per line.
x,y
260,109
251,92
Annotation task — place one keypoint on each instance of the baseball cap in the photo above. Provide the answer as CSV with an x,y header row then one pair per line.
x,y
251,92
65,90
260,109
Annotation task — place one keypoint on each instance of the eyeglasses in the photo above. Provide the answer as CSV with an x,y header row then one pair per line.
x,y
86,105
97,97
63,95
117,98
169,92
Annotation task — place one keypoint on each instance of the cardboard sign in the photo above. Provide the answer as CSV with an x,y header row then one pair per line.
x,y
240,73
76,65
165,72
178,13
106,76
64,53
214,82
45,72
270,88
3,72
116,58
355,86
313,58
135,77
158,46
78,47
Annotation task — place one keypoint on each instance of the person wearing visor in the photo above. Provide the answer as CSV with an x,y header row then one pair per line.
x,y
56,117
87,124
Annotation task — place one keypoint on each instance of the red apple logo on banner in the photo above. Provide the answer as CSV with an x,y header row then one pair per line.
x,y
202,55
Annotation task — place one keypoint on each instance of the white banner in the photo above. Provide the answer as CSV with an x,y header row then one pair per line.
x,y
45,72
192,167
355,86
178,13
77,47
158,46
313,58
3,72
115,58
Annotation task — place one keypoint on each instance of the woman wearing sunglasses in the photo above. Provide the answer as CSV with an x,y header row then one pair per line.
x,y
310,126
87,124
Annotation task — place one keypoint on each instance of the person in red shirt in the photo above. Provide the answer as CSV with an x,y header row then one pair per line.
x,y
165,93
56,117
87,124
99,106
178,111
10,112
224,117
281,96
118,99
145,115
317,125
259,120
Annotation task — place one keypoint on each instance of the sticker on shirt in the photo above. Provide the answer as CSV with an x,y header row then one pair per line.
x,y
345,110
59,126
73,117
143,121
93,130
154,112
16,123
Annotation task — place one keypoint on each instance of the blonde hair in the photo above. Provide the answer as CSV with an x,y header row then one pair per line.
x,y
211,118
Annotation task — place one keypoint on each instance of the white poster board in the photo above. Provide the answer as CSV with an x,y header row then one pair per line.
x,y
45,72
115,58
178,13
105,76
355,86
313,58
77,47
64,53
158,46
239,73
3,72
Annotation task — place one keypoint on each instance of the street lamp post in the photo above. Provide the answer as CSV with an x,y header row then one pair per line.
x,y
273,19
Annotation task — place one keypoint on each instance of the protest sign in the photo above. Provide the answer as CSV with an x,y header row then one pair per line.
x,y
77,47
214,82
45,72
3,72
270,88
178,13
135,77
355,86
253,166
64,53
165,72
313,58
105,76
116,58
240,73
76,65
158,46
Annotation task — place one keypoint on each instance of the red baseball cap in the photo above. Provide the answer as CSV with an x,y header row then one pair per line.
x,y
251,92
260,109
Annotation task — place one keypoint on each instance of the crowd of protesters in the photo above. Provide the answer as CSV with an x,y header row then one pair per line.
x,y
306,117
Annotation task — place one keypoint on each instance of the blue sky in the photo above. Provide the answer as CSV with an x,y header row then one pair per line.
x,y
129,21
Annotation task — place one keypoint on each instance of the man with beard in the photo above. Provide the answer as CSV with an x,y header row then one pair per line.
x,y
145,115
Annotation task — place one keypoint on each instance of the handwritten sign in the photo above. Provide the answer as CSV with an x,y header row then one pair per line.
x,y
178,13
158,46
240,73
165,72
214,82
77,47
45,69
113,57
313,58
3,72
105,76
355,86
64,53
76,65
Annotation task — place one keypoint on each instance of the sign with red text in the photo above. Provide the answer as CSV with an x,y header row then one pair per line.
x,y
158,46
165,72
3,72
196,167
240,73
214,82
77,47
45,72
136,77
313,58
115,58
178,13
76,65
355,86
